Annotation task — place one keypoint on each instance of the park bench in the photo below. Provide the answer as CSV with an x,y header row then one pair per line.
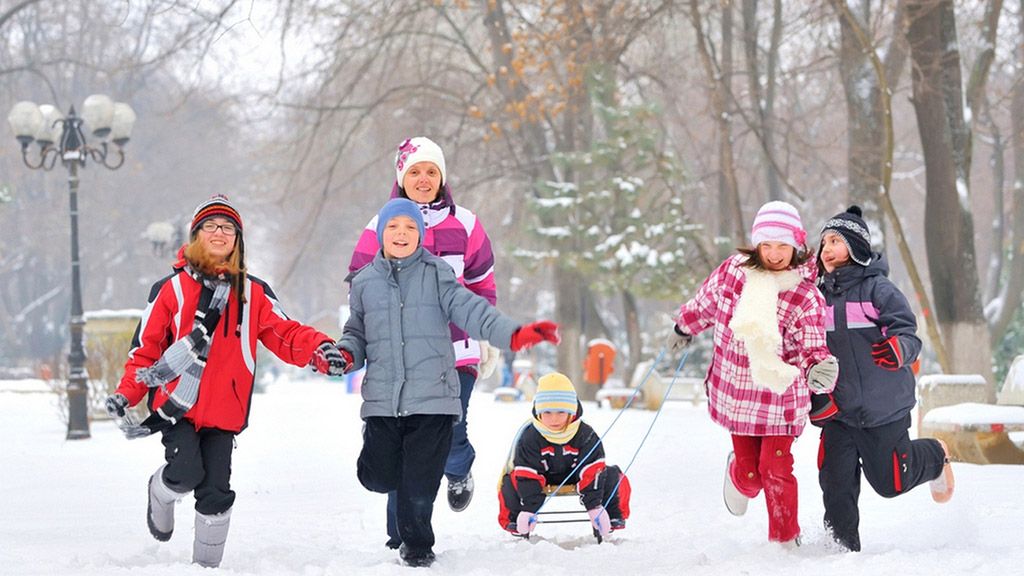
x,y
685,389
952,409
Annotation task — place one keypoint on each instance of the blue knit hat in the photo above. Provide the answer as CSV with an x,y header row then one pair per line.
x,y
399,207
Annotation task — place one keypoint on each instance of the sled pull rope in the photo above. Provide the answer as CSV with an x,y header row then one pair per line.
x,y
679,369
600,439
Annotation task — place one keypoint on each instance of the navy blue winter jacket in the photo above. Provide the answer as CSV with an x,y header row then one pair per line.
x,y
863,307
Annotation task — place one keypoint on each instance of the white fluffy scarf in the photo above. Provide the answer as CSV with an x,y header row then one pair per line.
x,y
755,324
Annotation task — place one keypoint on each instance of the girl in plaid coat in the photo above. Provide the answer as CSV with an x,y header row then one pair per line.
x,y
764,365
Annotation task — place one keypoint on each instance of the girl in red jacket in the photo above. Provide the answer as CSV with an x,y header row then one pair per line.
x,y
193,359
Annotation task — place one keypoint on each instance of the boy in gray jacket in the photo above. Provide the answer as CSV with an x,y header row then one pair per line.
x,y
401,304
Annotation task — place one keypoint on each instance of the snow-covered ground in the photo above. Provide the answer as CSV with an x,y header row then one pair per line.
x,y
79,507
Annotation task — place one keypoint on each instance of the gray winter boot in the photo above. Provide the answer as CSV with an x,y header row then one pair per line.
x,y
211,534
160,511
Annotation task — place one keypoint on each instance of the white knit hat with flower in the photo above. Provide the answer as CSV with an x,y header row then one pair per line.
x,y
778,222
418,149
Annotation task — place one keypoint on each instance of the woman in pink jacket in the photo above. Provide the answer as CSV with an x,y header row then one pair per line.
x,y
769,352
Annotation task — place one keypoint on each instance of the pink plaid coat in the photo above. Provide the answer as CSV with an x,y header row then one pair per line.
x,y
734,401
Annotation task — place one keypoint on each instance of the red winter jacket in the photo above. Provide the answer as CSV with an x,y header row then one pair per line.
x,y
226,387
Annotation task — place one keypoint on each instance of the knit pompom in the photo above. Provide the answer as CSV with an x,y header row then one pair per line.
x,y
856,211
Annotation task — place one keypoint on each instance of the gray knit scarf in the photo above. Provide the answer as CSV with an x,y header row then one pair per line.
x,y
186,358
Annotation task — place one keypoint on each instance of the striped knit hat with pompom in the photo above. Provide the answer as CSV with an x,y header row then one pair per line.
x,y
216,206
555,393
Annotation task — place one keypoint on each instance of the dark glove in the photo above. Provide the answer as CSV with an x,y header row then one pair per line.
x,y
329,360
823,408
888,353
528,335
116,404
677,340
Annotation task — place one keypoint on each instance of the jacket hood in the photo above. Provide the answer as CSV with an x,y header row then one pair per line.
x,y
180,262
845,276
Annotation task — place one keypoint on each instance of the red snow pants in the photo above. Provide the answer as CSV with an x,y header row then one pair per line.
x,y
766,462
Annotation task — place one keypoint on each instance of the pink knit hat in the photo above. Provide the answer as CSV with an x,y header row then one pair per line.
x,y
778,222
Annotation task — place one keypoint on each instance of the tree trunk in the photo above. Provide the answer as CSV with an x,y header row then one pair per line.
x,y
633,337
893,65
763,99
865,153
730,210
949,230
569,312
1009,300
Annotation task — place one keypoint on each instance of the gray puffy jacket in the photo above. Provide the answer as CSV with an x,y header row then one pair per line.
x,y
400,310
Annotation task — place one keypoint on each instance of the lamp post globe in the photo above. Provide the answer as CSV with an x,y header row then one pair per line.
x,y
61,137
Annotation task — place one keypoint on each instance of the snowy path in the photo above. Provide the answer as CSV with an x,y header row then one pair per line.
x,y
79,508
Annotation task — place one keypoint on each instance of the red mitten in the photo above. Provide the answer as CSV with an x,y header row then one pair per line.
x,y
529,335
888,353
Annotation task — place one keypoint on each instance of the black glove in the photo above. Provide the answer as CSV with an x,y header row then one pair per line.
x,y
116,404
823,408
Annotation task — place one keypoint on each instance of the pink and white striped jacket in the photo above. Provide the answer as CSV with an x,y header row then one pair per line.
x,y
455,235
734,400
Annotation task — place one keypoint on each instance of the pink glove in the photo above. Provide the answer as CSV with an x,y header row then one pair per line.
x,y
602,523
525,523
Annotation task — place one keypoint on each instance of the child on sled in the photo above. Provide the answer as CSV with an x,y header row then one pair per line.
x,y
556,446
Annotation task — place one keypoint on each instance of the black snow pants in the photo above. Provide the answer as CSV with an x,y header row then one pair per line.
x,y
407,455
892,463
200,461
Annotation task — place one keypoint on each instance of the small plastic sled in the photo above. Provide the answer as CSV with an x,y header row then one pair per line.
x,y
564,516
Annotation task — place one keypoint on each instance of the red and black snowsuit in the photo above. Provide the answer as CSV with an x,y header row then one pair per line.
x,y
537,462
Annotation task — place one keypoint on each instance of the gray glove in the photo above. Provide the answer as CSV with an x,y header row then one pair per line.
x,y
677,340
822,376
116,404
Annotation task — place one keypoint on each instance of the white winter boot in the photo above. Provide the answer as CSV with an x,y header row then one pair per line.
x,y
211,534
942,487
735,501
160,511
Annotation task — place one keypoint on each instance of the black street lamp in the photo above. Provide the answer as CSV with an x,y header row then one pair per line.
x,y
61,137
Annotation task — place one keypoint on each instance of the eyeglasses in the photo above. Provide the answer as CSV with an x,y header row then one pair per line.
x,y
210,226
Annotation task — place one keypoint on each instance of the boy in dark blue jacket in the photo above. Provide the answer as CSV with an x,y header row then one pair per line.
x,y
871,330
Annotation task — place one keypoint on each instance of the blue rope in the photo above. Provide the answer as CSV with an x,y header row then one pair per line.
x,y
679,369
600,439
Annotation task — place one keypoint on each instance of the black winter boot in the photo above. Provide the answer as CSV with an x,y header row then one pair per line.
x,y
417,558
460,493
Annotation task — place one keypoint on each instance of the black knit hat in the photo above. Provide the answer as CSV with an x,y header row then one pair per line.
x,y
850,225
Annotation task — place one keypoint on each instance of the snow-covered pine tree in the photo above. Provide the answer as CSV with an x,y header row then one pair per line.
x,y
618,215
